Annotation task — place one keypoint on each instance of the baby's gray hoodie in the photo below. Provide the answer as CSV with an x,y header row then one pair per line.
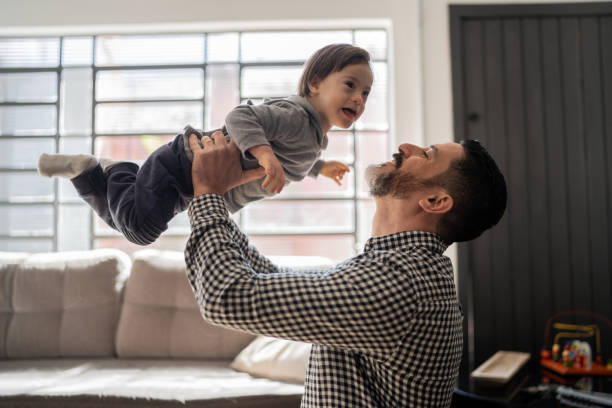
x,y
291,127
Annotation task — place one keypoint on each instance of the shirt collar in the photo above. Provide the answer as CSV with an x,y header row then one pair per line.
x,y
406,239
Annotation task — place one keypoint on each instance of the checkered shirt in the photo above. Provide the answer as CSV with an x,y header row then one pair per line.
x,y
385,325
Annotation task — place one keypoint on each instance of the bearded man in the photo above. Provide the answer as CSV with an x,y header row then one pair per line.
x,y
386,325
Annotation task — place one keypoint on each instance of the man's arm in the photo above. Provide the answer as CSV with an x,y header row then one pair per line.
x,y
355,306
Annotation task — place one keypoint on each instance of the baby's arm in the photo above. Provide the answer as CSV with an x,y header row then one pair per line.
x,y
334,170
275,175
254,128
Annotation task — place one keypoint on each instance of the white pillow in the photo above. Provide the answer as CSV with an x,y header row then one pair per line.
x,y
276,359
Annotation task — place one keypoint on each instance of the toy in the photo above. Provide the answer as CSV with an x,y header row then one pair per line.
x,y
576,357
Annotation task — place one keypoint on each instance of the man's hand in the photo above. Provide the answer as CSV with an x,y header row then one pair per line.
x,y
216,165
275,175
334,170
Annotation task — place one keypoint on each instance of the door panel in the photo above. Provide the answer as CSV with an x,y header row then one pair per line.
x,y
533,83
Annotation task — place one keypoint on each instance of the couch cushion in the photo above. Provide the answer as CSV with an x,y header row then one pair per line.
x,y
60,304
159,381
160,316
275,359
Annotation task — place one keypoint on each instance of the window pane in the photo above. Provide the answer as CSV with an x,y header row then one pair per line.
x,y
375,41
298,216
67,191
26,245
74,227
288,46
150,84
150,49
320,187
222,93
372,148
270,82
340,147
165,243
34,120
336,247
23,153
76,101
222,47
25,187
77,51
72,145
75,145
26,220
366,215
179,225
375,116
147,117
28,87
29,52
129,148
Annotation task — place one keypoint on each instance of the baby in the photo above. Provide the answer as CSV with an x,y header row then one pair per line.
x,y
284,136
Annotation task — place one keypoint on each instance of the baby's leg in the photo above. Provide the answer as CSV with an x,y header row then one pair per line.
x,y
142,202
114,195
92,188
86,174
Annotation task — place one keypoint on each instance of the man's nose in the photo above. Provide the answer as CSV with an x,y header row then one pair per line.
x,y
408,149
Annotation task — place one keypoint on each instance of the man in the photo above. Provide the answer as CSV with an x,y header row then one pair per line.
x,y
386,324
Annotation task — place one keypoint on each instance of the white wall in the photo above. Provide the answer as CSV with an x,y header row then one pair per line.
x,y
437,87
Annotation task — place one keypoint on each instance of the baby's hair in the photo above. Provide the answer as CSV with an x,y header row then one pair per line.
x,y
330,59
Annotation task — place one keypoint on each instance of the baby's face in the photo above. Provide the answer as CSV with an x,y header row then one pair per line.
x,y
342,95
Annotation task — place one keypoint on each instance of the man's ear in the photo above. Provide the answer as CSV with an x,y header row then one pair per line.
x,y
437,202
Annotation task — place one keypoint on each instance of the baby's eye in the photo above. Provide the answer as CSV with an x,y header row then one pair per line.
x,y
365,94
425,154
350,84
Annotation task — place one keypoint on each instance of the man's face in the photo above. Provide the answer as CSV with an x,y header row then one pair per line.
x,y
411,168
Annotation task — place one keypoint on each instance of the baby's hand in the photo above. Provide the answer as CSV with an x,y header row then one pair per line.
x,y
275,175
334,170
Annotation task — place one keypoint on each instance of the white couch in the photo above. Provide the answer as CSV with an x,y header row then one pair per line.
x,y
96,328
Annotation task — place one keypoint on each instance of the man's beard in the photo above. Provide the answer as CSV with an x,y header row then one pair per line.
x,y
395,183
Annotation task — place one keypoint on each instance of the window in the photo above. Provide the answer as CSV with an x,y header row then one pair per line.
x,y
122,96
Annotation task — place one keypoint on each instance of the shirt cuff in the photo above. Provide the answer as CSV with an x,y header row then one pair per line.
x,y
206,204
316,169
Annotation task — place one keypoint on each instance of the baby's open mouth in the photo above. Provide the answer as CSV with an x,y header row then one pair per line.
x,y
349,111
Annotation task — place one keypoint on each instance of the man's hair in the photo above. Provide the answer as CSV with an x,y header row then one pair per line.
x,y
327,60
478,189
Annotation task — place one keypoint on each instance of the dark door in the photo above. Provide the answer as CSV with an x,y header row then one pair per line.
x,y
534,84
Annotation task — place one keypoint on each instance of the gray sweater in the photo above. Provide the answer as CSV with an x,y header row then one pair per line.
x,y
291,127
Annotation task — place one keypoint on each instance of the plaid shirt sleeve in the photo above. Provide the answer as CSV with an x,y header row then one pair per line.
x,y
340,307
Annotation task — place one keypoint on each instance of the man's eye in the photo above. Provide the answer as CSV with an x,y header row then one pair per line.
x,y
425,154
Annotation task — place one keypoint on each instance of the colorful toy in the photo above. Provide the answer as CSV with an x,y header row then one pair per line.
x,y
576,357
555,352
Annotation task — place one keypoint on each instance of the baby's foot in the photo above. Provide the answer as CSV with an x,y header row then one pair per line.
x,y
65,165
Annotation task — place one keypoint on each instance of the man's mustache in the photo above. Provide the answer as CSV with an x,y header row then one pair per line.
x,y
398,160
